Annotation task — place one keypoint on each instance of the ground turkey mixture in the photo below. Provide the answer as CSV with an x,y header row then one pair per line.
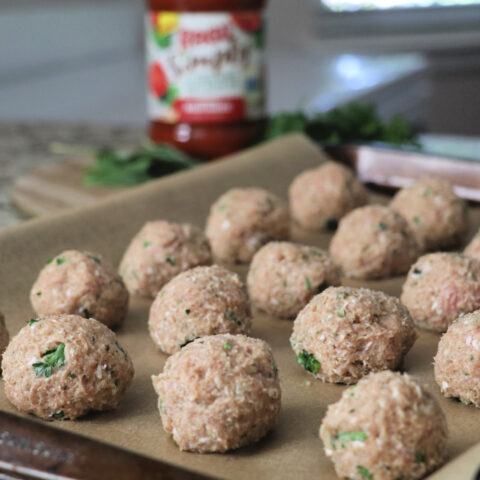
x,y
440,287
374,242
80,283
219,393
158,252
201,301
284,276
436,215
457,363
244,219
320,197
385,428
345,333
63,366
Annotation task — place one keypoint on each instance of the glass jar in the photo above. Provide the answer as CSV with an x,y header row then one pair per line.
x,y
206,74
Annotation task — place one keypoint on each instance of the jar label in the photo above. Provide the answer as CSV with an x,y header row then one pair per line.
x,y
205,67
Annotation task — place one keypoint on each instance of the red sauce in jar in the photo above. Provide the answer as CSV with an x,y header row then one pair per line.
x,y
206,74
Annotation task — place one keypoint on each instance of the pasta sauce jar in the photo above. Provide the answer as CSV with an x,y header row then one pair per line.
x,y
206,88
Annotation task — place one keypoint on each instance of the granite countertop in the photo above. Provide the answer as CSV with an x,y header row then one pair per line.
x,y
23,146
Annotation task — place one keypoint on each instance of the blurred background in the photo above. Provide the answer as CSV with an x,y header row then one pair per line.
x,y
82,60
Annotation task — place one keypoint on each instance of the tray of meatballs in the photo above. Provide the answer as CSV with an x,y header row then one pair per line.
x,y
264,317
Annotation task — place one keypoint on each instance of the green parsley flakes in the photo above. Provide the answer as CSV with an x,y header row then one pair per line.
x,y
417,271
95,259
187,341
39,294
308,362
417,221
61,260
227,346
382,227
59,414
52,358
171,260
364,472
420,458
308,285
187,311
358,436
50,260
146,243
231,316
119,347
342,313
32,321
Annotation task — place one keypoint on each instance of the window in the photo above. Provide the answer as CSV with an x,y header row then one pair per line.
x,y
356,5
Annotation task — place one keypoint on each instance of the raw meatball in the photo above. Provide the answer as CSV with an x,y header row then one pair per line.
x,y
321,196
457,364
244,219
385,428
4,337
62,366
83,284
374,242
345,333
473,248
158,252
283,277
202,301
441,287
219,393
436,215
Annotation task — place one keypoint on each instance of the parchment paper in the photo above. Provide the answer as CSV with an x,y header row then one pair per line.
x,y
293,450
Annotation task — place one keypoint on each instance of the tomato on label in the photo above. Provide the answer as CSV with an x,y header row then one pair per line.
x,y
158,80
249,22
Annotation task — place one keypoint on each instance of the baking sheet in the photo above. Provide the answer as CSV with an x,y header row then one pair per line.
x,y
293,449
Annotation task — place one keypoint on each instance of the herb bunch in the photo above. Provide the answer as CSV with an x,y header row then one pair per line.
x,y
352,123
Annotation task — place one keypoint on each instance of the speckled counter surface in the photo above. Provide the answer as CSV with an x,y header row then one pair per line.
x,y
23,146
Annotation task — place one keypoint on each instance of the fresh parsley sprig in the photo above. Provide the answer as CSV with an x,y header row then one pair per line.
x,y
52,358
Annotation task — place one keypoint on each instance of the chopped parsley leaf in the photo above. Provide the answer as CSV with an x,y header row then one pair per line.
x,y
231,316
32,321
187,311
331,224
50,260
420,458
358,436
170,260
342,313
61,260
107,348
146,243
121,349
39,294
308,286
382,227
116,382
308,362
59,414
187,341
364,472
285,283
416,221
54,357
95,259
227,346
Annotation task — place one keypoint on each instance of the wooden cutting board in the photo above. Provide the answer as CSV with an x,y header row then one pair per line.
x,y
52,188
